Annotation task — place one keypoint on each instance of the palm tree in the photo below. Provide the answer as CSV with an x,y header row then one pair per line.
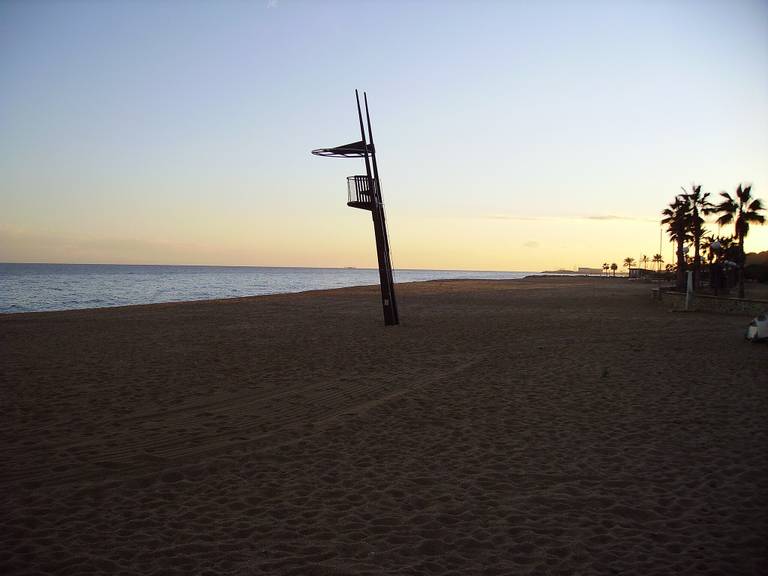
x,y
709,244
605,268
658,260
741,211
628,263
676,217
699,205
644,260
614,268
706,246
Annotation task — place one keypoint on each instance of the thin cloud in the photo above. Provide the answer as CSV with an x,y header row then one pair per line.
x,y
593,217
20,245
614,217
531,244
511,217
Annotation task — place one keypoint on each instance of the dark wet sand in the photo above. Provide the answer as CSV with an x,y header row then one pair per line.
x,y
543,426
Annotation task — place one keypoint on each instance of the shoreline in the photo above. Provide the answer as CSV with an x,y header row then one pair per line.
x,y
114,286
762,292
315,290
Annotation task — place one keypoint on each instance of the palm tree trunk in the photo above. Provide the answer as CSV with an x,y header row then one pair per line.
x,y
741,281
696,240
741,266
696,262
680,266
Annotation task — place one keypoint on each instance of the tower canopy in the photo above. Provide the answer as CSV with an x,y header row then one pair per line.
x,y
353,150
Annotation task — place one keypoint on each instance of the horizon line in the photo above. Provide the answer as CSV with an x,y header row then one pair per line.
x,y
264,266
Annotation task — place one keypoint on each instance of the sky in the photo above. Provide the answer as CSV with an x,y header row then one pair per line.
x,y
510,135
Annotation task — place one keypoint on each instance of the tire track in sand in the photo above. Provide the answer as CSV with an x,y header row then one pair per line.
x,y
259,422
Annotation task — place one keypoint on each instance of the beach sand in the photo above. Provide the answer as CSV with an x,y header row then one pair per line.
x,y
538,426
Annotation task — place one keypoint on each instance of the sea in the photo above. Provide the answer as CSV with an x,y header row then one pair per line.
x,y
46,287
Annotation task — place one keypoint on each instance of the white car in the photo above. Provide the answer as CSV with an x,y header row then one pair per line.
x,y
758,328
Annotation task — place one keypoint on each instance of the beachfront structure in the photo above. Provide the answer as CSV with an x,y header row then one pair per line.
x,y
364,192
640,273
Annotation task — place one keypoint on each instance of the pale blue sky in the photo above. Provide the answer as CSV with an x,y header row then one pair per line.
x,y
179,132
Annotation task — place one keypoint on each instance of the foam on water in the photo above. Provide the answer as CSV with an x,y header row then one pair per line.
x,y
44,287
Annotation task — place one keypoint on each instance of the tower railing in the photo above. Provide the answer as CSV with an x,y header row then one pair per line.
x,y
360,192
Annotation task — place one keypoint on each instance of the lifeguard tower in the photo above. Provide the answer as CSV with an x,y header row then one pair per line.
x,y
364,192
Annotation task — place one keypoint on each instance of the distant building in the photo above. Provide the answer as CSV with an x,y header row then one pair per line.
x,y
641,273
582,271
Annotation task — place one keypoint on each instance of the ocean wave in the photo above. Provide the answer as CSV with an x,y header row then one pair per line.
x,y
49,287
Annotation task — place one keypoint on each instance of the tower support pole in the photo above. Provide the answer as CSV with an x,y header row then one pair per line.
x,y
389,301
379,225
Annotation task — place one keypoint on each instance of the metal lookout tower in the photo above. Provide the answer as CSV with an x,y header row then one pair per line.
x,y
364,192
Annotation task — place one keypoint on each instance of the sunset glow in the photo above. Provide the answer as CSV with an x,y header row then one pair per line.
x,y
511,136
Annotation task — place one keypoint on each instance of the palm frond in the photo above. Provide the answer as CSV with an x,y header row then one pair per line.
x,y
725,219
756,205
727,205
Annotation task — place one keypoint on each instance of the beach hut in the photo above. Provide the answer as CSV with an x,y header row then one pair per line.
x,y
364,192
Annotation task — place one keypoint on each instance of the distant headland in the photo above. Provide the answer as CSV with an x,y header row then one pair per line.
x,y
580,270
